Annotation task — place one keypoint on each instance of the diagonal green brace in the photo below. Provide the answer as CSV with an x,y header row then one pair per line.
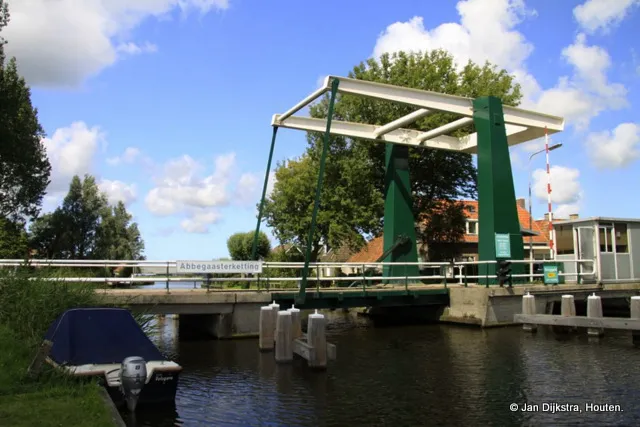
x,y
325,145
264,193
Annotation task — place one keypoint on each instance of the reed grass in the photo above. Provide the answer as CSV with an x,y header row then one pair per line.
x,y
27,307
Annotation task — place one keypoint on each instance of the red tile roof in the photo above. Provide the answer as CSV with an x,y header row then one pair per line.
x,y
375,248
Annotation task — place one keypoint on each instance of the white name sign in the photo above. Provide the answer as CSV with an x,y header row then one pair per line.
x,y
203,267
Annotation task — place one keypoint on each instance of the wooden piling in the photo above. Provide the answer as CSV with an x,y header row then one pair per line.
x,y
267,328
284,341
317,338
594,310
529,307
635,314
296,323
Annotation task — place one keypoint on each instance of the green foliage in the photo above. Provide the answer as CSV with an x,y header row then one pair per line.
x,y
28,307
444,231
282,255
86,227
240,246
13,240
352,200
24,175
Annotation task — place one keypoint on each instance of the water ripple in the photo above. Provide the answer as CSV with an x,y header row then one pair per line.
x,y
429,375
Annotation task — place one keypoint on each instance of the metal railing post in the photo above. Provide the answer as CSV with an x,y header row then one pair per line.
x,y
317,278
406,278
364,279
167,284
486,275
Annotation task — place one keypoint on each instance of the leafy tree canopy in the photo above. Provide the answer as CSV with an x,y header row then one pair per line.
x,y
24,166
352,201
87,227
240,246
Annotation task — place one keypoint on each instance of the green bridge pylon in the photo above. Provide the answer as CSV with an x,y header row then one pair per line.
x,y
497,214
497,210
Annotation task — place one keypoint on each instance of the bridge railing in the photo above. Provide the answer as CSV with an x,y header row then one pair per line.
x,y
357,274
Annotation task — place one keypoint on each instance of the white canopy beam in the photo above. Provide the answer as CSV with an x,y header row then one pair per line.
x,y
446,103
521,125
402,121
449,127
362,131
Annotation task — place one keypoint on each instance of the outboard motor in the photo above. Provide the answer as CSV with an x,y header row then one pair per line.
x,y
133,377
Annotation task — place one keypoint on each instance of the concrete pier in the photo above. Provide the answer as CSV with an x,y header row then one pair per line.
x,y
296,323
266,329
529,307
284,338
594,310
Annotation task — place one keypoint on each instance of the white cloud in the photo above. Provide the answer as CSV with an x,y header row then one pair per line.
x,y
135,49
247,187
602,14
63,42
71,151
182,189
129,156
271,183
199,222
485,32
118,191
617,149
588,92
566,191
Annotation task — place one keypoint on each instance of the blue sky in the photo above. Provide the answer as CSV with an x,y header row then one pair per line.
x,y
169,103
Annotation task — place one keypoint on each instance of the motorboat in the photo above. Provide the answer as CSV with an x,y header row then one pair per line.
x,y
108,343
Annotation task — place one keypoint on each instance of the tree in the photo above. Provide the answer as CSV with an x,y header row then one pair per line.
x,y
13,240
86,227
352,194
117,237
24,166
240,246
350,205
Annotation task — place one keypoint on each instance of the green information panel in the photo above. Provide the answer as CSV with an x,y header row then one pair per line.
x,y
503,246
551,274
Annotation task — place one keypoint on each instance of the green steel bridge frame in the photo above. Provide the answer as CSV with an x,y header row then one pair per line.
x,y
497,127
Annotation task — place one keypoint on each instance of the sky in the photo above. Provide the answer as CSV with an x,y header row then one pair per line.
x,y
169,102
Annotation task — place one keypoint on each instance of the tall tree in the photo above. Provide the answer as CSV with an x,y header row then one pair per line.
x,y
13,240
86,227
24,166
118,237
352,194
240,246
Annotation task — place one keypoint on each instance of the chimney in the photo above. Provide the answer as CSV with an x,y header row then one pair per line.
x,y
546,216
520,203
574,216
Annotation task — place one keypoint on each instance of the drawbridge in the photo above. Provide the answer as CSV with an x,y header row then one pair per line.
x,y
493,128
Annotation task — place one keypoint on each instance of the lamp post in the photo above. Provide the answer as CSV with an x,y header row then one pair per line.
x,y
553,147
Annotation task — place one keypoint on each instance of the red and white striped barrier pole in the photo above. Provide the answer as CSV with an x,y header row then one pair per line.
x,y
551,233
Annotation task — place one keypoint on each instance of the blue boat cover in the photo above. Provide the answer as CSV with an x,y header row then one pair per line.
x,y
97,336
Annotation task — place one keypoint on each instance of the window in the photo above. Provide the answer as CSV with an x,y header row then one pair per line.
x,y
621,238
472,227
472,209
564,239
606,242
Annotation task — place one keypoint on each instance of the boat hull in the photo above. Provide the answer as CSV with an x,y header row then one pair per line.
x,y
161,388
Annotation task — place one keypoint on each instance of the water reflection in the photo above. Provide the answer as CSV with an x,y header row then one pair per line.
x,y
404,376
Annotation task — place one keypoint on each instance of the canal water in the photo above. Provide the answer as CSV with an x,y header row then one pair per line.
x,y
433,375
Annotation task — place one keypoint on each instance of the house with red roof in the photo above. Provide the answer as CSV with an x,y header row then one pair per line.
x,y
535,231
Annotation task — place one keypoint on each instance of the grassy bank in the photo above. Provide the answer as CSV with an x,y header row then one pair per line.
x,y
26,310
